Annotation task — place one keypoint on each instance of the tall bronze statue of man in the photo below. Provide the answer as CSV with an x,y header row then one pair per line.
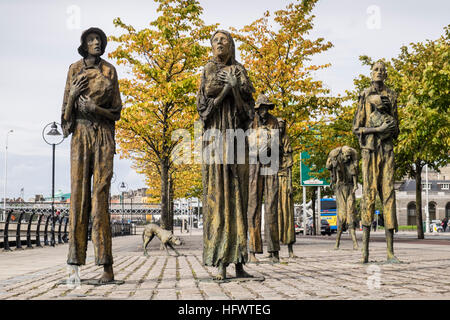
x,y
376,126
90,108
343,165
225,105
286,225
263,183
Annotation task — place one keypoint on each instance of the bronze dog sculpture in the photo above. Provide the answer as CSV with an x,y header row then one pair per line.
x,y
165,236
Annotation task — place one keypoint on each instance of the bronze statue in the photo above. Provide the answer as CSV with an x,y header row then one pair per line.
x,y
343,165
166,237
263,186
91,106
225,104
285,196
376,126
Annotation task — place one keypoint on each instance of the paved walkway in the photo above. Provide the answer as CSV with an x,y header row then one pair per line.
x,y
318,273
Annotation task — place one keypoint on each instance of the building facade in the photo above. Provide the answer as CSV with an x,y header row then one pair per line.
x,y
438,197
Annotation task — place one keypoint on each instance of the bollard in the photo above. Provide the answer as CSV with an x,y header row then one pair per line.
x,y
29,230
60,220
46,231
65,237
19,223
114,228
38,236
52,233
5,232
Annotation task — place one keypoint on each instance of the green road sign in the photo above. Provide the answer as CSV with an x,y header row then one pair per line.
x,y
307,173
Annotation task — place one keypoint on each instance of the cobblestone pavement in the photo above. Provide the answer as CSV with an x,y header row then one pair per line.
x,y
319,272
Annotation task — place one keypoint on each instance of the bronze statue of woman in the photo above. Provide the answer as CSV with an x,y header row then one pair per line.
x,y
225,104
91,106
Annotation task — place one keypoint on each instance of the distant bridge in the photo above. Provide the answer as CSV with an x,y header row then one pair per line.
x,y
131,211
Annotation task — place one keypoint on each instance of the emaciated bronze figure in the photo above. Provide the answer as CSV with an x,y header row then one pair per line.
x,y
263,186
224,102
285,195
343,165
91,106
376,126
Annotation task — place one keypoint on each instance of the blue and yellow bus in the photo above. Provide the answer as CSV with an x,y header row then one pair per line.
x,y
328,212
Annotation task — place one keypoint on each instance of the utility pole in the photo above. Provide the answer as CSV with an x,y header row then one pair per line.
x,y
319,222
427,213
304,211
6,175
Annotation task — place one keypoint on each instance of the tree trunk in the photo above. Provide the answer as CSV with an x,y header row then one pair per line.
x,y
420,234
171,211
165,220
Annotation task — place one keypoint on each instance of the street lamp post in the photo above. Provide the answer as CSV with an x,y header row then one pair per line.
x,y
6,174
123,187
53,137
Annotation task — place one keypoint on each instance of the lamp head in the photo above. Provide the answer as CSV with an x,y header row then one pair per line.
x,y
54,130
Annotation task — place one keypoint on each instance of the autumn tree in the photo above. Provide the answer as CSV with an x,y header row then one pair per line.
x,y
420,75
160,93
278,56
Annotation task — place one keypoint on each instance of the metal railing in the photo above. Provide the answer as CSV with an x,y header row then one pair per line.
x,y
55,228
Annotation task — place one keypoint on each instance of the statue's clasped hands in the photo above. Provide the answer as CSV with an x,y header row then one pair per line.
x,y
228,78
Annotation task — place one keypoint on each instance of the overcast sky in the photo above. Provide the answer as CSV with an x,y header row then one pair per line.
x,y
39,41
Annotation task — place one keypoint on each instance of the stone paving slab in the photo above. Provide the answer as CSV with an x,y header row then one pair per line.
x,y
319,272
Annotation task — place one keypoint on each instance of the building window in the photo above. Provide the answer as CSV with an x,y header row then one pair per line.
x,y
411,211
424,188
445,186
432,211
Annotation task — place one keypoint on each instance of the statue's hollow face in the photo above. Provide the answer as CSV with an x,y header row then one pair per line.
x,y
347,156
263,111
93,44
221,45
378,72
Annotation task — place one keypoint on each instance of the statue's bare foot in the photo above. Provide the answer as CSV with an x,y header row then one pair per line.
x,y
336,247
108,274
253,259
221,273
392,259
355,247
275,257
291,251
365,257
364,260
219,277
241,273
